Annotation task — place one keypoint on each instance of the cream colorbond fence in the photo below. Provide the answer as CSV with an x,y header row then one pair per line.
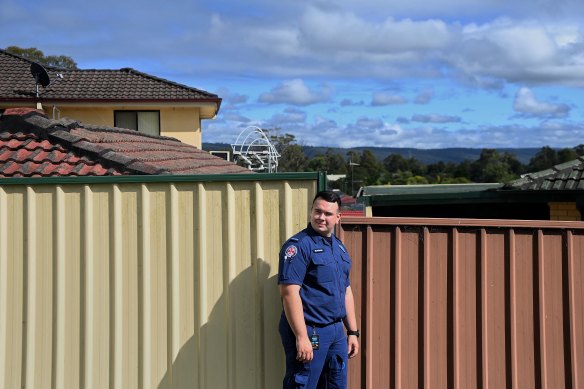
x,y
142,282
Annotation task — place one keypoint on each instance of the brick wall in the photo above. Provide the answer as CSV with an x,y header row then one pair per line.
x,y
564,211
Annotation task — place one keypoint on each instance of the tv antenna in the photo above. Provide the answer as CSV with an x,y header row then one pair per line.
x,y
41,76
252,149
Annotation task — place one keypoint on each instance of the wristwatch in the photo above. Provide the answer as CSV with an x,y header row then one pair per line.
x,y
356,333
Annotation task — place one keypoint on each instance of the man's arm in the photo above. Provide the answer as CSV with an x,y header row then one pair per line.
x,y
351,322
295,315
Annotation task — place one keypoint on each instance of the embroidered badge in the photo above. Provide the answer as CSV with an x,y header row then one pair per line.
x,y
291,251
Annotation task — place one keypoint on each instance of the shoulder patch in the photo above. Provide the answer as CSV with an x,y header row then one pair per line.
x,y
291,251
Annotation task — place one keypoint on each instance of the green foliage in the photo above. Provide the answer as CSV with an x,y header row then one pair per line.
x,y
545,158
36,55
292,158
566,155
364,168
330,162
493,166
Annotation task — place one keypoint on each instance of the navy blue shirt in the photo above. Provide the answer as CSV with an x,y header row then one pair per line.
x,y
321,267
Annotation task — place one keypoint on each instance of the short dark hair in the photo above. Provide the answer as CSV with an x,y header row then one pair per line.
x,y
328,196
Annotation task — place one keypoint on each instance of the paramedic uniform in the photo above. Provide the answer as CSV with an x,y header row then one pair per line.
x,y
321,267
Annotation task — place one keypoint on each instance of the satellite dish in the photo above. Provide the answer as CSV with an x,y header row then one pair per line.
x,y
40,74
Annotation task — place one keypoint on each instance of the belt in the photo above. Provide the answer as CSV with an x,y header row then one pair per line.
x,y
320,325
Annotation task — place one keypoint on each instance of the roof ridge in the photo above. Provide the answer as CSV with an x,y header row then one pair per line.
x,y
80,145
30,61
121,130
156,78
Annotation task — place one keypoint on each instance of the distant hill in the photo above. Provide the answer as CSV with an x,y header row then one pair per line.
x,y
427,156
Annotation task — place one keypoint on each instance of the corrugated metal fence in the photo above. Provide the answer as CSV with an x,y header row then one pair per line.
x,y
164,283
467,303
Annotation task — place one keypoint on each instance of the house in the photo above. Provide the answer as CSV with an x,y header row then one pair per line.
x,y
562,186
113,98
32,145
553,194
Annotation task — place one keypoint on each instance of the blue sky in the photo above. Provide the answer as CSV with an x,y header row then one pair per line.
x,y
392,73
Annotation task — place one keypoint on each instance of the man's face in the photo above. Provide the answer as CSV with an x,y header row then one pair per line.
x,y
324,216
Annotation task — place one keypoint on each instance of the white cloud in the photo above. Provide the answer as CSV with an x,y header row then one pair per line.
x,y
424,97
235,117
320,31
527,105
296,92
434,118
523,51
369,124
349,103
288,117
385,98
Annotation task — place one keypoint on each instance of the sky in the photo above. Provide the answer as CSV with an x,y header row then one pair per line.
x,y
344,73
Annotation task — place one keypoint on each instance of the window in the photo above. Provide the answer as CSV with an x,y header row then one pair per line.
x,y
147,122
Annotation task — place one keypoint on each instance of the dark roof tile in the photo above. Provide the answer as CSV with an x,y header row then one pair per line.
x,y
565,176
93,85
33,146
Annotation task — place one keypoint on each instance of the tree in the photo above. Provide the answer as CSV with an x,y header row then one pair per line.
x,y
493,167
318,163
373,170
331,162
567,154
545,158
292,158
36,55
336,162
395,163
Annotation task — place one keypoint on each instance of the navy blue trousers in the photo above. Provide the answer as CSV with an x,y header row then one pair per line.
x,y
328,368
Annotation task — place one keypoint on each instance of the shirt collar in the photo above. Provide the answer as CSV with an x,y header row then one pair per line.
x,y
318,238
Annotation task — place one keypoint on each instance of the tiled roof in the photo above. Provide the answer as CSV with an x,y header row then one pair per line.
x,y
31,145
17,83
566,176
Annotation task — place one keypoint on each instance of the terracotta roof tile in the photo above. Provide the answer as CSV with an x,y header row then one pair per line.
x,y
31,145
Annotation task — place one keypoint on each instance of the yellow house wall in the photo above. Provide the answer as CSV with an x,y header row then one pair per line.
x,y
564,211
144,285
182,123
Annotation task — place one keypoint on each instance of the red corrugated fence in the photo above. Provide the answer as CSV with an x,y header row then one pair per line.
x,y
454,303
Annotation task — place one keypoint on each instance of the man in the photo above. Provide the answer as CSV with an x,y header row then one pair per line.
x,y
317,300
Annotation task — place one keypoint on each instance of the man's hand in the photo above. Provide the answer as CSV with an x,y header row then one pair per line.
x,y
303,349
353,343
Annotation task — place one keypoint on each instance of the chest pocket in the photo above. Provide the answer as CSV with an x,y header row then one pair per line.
x,y
345,265
324,267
